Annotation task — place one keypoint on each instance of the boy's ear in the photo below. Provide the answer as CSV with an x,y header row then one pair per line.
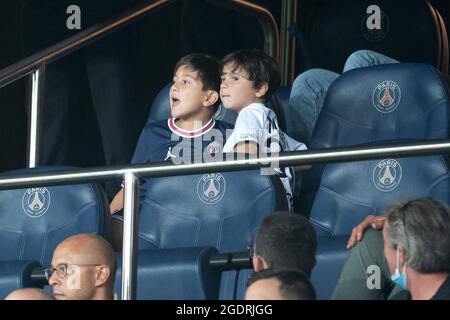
x,y
262,90
211,98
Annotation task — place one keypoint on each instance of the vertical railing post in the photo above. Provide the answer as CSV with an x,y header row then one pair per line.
x,y
129,253
287,42
36,100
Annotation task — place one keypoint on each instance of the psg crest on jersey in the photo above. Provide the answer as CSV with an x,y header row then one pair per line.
x,y
211,188
387,175
386,96
36,201
214,148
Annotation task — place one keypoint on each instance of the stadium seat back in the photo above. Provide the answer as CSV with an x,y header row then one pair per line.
x,y
218,209
375,104
174,274
350,191
35,220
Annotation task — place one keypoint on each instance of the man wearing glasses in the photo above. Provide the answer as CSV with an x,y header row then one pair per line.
x,y
83,268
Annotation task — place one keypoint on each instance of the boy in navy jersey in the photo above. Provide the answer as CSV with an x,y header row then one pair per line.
x,y
191,134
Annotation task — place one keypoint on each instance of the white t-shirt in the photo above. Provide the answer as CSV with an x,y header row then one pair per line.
x,y
259,124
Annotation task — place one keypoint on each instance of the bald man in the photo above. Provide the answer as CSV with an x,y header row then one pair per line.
x,y
279,284
29,294
83,268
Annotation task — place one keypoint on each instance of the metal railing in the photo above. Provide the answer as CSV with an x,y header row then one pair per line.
x,y
132,173
35,64
288,42
265,19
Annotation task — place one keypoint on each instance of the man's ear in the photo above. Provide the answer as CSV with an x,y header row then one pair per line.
x,y
103,274
402,256
262,90
211,98
259,263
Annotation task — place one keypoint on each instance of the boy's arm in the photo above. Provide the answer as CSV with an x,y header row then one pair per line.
x,y
247,147
117,202
246,132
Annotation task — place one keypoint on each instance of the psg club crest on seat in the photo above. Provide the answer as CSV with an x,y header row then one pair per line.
x,y
386,96
387,175
36,201
211,188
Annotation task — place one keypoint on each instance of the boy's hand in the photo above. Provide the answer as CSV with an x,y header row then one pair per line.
x,y
117,202
371,221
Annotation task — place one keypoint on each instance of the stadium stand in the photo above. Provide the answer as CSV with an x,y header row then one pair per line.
x,y
35,220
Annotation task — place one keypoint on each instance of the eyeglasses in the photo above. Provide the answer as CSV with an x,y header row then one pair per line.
x,y
251,251
63,268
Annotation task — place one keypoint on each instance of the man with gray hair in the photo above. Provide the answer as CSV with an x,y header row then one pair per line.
x,y
412,254
416,238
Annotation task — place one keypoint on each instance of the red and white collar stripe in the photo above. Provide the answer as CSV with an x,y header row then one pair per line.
x,y
190,134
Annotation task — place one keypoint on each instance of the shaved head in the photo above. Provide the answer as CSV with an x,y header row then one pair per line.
x,y
87,248
29,294
89,264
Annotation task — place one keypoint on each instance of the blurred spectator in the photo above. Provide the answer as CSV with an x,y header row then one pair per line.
x,y
281,284
29,294
285,240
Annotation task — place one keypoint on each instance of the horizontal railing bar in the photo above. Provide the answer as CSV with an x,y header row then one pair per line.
x,y
81,39
296,158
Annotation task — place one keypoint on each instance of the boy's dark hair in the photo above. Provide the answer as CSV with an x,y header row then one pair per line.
x,y
294,284
208,67
287,240
259,66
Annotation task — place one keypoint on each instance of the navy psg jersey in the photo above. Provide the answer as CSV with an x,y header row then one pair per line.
x,y
165,141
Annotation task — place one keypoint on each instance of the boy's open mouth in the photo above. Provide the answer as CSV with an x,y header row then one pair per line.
x,y
175,101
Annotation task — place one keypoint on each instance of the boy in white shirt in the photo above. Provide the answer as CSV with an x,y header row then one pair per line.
x,y
249,78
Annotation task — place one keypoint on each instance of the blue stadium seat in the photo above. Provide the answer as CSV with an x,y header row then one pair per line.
x,y
218,209
379,104
330,258
350,191
16,275
416,106
174,274
160,109
35,220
